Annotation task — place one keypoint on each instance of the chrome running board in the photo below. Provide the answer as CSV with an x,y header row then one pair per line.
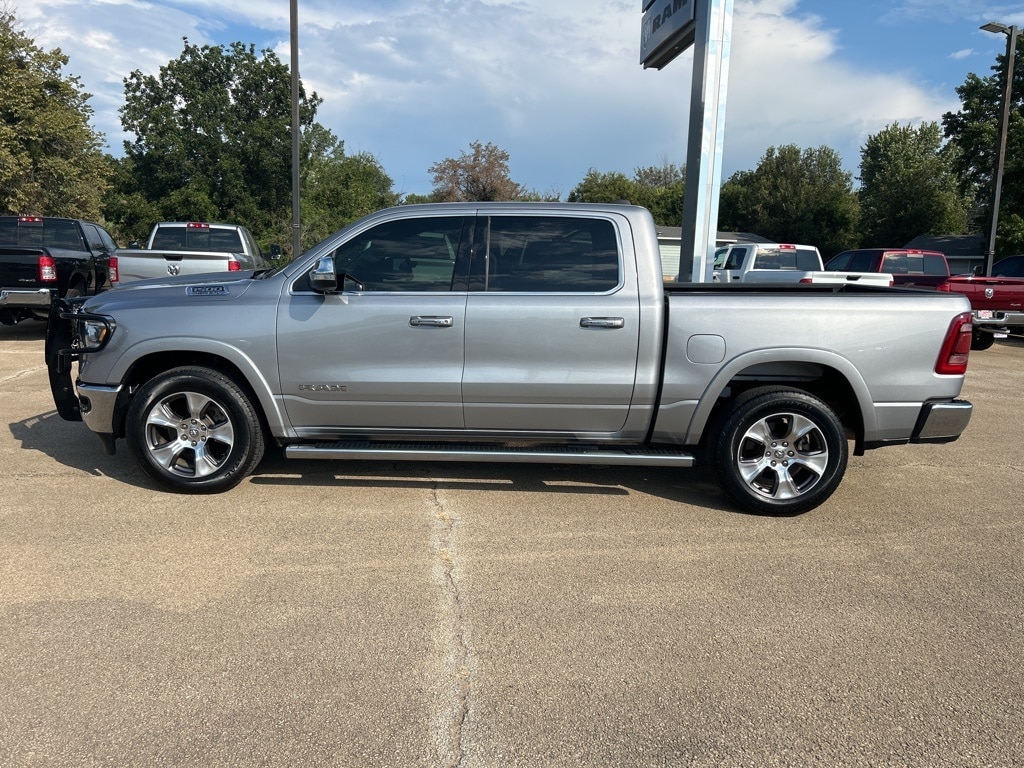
x,y
476,452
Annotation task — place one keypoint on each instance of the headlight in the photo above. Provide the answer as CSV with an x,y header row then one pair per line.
x,y
94,332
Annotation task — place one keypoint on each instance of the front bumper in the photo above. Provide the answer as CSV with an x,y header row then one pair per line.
x,y
76,401
97,405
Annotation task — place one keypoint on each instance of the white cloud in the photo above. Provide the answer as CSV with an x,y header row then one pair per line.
x,y
557,84
966,53
789,86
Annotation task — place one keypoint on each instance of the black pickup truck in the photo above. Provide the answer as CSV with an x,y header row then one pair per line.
x,y
43,256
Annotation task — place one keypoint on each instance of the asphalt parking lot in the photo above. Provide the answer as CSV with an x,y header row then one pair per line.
x,y
364,614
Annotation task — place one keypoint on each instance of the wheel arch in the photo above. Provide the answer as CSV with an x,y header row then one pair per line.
x,y
239,368
824,374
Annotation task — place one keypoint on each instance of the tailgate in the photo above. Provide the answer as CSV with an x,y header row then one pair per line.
x,y
19,266
142,264
991,293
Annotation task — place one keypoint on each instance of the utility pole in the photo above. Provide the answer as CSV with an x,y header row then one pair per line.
x,y
1004,124
296,228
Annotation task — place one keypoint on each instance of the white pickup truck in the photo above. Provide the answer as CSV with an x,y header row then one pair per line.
x,y
503,332
783,263
188,248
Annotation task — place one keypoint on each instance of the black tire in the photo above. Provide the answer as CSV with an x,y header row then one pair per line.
x,y
194,430
982,340
780,452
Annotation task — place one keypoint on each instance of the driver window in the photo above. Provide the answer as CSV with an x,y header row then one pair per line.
x,y
406,255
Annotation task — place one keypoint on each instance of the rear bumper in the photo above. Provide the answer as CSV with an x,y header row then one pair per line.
x,y
942,422
40,298
997,318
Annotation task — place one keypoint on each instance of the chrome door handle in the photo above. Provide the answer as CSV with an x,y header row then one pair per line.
x,y
602,322
431,322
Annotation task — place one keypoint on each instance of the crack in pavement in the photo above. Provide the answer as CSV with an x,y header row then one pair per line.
x,y
452,639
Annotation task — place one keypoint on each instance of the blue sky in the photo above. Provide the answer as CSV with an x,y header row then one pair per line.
x,y
556,83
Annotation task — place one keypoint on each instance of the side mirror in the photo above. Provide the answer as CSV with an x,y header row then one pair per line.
x,y
979,270
134,244
322,277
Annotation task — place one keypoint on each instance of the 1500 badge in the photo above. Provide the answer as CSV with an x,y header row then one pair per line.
x,y
322,388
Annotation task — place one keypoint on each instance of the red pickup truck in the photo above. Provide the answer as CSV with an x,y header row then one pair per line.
x,y
997,302
910,268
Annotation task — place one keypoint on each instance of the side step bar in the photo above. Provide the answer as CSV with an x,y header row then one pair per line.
x,y
546,454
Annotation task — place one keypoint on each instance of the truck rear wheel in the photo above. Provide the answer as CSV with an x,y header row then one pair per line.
x,y
780,452
982,339
194,430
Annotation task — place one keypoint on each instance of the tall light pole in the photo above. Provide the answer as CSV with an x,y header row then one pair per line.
x,y
1004,122
296,230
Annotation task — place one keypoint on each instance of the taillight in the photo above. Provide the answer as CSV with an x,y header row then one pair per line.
x,y
47,269
956,347
234,266
943,287
114,276
806,280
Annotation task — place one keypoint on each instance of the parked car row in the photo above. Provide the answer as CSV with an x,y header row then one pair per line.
x,y
42,258
46,257
997,302
784,263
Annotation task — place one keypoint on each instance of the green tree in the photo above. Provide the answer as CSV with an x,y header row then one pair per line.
x,y
213,140
973,129
657,188
908,186
795,196
480,175
51,161
598,187
340,188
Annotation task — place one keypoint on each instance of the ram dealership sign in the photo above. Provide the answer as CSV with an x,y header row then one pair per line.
x,y
667,30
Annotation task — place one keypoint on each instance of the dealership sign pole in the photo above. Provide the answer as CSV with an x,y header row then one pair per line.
x,y
670,27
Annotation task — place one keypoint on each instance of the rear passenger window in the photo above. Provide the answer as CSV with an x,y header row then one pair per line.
x,y
549,254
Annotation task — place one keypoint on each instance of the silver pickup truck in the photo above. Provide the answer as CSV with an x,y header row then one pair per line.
x,y
188,248
510,333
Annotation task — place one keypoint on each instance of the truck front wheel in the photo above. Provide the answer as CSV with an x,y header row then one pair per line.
x,y
194,430
780,452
